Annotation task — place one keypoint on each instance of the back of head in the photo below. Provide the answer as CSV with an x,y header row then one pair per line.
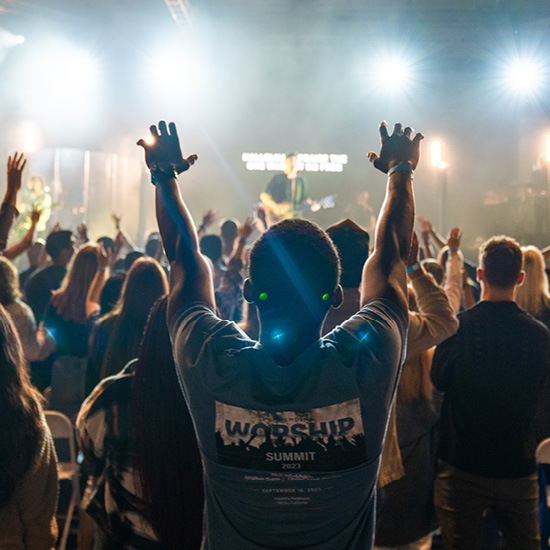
x,y
35,252
352,243
57,241
9,282
167,455
152,246
500,258
70,298
294,263
211,246
228,229
131,257
145,283
533,294
107,242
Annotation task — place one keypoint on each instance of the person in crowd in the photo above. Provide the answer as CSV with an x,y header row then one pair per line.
x,y
36,345
69,319
116,337
533,295
408,500
297,421
491,372
41,284
36,255
8,209
136,432
285,191
211,247
229,293
228,234
28,482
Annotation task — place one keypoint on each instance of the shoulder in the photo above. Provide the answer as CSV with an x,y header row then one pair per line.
x,y
378,320
112,390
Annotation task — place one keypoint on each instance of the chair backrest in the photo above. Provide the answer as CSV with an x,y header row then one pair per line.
x,y
542,454
62,428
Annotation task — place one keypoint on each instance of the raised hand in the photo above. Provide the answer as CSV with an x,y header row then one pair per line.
x,y
35,214
247,228
15,170
116,218
82,232
164,153
398,148
103,257
209,217
454,237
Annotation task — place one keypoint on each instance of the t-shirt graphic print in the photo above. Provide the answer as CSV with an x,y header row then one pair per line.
x,y
324,439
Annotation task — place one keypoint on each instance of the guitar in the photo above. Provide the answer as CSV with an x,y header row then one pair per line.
x,y
277,211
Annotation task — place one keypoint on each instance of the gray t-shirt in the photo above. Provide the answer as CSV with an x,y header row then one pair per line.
x,y
291,453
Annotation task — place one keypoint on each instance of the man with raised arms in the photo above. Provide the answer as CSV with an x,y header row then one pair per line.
x,y
290,427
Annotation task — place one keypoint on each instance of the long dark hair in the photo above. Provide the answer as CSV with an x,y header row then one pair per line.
x,y
145,283
21,418
166,451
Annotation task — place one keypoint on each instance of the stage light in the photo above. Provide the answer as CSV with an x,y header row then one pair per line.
x,y
525,76
29,137
436,155
19,39
149,140
393,72
64,79
177,73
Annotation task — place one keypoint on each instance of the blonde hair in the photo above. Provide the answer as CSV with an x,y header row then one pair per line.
x,y
533,295
70,299
415,384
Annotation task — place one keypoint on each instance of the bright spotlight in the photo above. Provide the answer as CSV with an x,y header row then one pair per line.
x,y
525,75
149,140
436,155
177,72
65,79
395,71
19,39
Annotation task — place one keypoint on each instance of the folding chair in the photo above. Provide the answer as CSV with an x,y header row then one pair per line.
x,y
542,456
62,429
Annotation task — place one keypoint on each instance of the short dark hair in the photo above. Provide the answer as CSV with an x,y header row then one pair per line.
x,y
151,246
501,259
352,243
211,246
294,258
57,242
131,257
228,229
107,242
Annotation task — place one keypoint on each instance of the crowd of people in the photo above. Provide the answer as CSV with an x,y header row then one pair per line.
x,y
312,388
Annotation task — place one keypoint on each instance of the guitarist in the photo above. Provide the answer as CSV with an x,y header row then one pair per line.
x,y
285,191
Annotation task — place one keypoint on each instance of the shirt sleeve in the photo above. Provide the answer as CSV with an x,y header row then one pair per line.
x,y
435,321
37,498
453,281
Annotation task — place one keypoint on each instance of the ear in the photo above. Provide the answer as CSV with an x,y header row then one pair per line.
x,y
248,291
479,273
521,278
337,297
